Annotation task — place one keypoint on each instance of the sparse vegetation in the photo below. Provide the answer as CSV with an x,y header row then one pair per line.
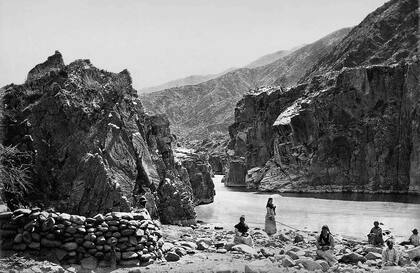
x,y
14,175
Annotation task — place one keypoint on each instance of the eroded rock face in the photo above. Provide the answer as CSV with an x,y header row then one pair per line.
x,y
360,132
199,174
94,148
252,133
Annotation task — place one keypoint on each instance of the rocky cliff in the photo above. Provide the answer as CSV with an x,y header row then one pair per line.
x,y
94,149
360,133
199,174
299,120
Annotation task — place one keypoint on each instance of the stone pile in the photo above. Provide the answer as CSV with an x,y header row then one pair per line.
x,y
103,240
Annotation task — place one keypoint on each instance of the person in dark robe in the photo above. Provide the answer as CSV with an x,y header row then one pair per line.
x,y
241,233
375,236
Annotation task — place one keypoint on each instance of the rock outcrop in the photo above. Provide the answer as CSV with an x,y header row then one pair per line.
x,y
94,149
361,133
199,174
341,129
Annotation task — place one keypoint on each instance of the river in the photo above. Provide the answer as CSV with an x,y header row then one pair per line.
x,y
346,214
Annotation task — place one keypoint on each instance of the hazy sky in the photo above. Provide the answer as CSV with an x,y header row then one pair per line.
x,y
161,40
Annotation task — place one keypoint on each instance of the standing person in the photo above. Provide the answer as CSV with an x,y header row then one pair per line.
x,y
413,240
375,236
270,219
325,246
390,256
241,233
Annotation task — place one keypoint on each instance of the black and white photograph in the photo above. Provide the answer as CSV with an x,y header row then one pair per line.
x,y
209,136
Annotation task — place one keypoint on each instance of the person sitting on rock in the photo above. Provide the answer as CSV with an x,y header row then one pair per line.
x,y
241,233
325,246
390,256
375,236
413,240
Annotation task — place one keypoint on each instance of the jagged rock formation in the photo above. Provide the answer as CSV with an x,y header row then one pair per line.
x,y
360,133
327,130
196,111
198,173
215,147
94,149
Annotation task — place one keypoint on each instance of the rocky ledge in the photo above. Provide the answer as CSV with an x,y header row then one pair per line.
x,y
93,147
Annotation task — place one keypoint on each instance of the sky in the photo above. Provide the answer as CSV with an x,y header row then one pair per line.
x,y
162,40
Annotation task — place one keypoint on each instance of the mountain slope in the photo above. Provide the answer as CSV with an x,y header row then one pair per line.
x,y
197,110
269,58
352,125
190,80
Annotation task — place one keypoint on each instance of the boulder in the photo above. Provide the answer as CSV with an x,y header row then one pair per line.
x,y
167,247
370,248
70,246
325,266
202,245
89,263
171,257
352,258
288,262
190,245
373,256
414,252
292,254
245,249
309,264
127,255
298,238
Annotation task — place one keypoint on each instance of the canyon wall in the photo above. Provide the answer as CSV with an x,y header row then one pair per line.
x,y
94,149
357,130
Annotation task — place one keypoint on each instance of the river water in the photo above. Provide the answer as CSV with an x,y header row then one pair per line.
x,y
346,214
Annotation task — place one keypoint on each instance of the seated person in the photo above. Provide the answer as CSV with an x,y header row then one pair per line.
x,y
413,240
390,255
325,246
375,236
241,233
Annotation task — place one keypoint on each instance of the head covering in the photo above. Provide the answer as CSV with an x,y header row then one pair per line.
x,y
268,203
415,231
242,217
389,242
326,227
376,223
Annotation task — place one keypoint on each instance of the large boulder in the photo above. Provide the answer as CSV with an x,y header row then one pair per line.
x,y
245,249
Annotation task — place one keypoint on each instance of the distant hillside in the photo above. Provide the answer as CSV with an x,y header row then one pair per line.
x,y
190,80
197,110
270,58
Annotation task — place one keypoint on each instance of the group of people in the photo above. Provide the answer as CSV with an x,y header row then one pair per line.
x,y
325,241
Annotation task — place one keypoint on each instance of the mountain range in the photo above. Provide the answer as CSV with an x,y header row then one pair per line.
x,y
195,111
